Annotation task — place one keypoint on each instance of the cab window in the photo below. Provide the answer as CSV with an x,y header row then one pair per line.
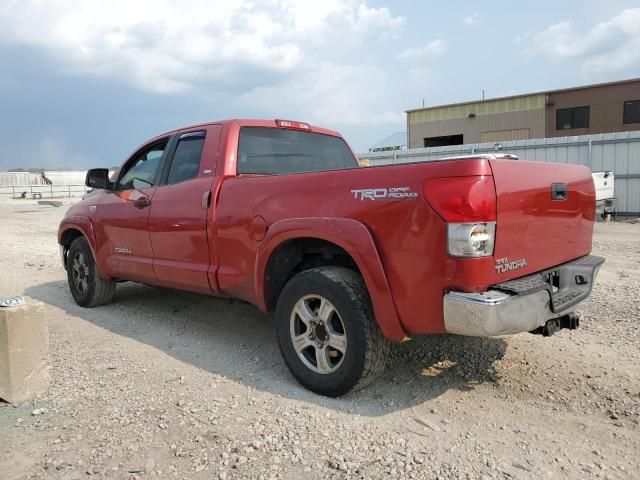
x,y
186,159
141,170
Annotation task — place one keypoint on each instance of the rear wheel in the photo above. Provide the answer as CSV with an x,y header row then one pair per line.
x,y
87,287
326,331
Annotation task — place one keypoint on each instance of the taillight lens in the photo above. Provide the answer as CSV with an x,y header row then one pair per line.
x,y
468,205
462,199
471,239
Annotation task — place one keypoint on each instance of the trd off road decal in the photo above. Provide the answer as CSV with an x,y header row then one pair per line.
x,y
392,193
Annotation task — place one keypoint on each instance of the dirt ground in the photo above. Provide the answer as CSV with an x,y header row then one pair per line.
x,y
163,384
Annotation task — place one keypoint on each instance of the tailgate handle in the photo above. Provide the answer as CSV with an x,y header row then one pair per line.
x,y
559,191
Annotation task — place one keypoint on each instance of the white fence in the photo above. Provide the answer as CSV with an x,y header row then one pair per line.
x,y
617,152
42,191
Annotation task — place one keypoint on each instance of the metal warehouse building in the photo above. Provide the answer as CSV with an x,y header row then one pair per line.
x,y
602,108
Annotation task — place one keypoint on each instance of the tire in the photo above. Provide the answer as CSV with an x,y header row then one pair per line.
x,y
338,313
87,286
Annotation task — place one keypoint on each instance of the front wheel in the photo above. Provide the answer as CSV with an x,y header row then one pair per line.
x,y
87,286
326,331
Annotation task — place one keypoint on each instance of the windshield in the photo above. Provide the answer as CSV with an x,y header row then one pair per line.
x,y
275,151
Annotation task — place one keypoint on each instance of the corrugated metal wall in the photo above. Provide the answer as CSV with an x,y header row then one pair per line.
x,y
21,178
62,177
618,152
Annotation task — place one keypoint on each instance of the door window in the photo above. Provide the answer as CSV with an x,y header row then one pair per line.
x,y
186,159
141,171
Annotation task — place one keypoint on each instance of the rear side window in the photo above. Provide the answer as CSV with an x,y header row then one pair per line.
x,y
186,160
275,151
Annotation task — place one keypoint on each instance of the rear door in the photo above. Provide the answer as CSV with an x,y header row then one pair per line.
x,y
179,212
545,214
123,216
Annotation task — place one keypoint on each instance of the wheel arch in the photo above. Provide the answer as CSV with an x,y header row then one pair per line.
x,y
279,256
75,227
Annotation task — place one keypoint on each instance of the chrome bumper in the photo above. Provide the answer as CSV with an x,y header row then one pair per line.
x,y
494,313
527,303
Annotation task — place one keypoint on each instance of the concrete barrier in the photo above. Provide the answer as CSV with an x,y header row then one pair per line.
x,y
53,203
24,352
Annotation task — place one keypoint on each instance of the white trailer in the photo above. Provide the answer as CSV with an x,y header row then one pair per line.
x,y
605,194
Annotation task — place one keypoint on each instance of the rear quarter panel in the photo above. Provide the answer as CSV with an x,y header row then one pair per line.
x,y
409,236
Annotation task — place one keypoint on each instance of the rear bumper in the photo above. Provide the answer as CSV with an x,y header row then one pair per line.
x,y
524,304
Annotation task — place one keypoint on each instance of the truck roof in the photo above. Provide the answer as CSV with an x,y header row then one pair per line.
x,y
250,122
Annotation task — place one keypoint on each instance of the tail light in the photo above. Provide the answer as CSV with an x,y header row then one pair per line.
x,y
471,239
468,205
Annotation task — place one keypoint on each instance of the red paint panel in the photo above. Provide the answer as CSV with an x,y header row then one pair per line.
x,y
122,235
531,225
178,223
178,231
410,238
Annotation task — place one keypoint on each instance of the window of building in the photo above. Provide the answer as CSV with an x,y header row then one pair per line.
x,y
443,141
632,111
567,118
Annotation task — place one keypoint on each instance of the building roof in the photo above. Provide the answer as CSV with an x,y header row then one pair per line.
x,y
544,92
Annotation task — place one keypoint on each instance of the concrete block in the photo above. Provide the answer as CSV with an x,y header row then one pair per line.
x,y
53,203
24,352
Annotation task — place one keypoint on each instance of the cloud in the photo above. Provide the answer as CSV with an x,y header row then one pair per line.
x,y
331,95
434,48
164,46
470,20
262,58
610,45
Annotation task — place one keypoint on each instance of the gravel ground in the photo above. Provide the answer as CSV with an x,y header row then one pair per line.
x,y
164,384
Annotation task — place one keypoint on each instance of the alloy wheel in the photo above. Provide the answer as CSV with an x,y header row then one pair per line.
x,y
318,334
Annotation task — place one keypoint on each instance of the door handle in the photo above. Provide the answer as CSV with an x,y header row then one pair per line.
x,y
142,202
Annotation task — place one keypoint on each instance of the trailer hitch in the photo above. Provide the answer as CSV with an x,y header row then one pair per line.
x,y
570,321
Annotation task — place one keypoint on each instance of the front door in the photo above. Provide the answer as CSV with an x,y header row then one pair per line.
x,y
179,212
123,217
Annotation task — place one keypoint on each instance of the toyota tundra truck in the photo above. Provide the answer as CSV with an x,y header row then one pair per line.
x,y
349,259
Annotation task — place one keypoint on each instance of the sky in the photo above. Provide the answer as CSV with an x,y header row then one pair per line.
x,y
82,83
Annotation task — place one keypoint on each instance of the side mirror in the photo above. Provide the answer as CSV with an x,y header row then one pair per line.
x,y
98,178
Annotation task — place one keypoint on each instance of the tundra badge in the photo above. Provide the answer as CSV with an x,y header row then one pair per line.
x,y
503,264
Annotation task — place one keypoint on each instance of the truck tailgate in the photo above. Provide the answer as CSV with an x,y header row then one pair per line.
x,y
545,214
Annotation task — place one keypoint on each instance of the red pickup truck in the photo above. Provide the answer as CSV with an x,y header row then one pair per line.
x,y
279,213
